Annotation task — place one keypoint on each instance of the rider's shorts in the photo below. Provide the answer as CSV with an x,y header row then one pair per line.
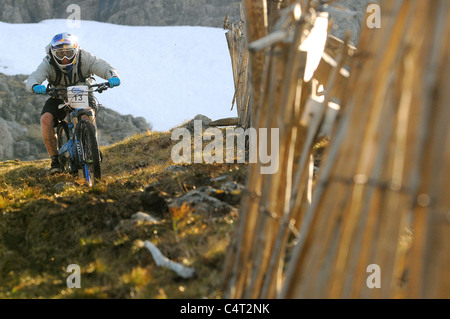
x,y
52,106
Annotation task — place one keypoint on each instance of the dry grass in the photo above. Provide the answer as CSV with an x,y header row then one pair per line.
x,y
50,222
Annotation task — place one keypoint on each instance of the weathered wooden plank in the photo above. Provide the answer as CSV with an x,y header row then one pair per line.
x,y
382,192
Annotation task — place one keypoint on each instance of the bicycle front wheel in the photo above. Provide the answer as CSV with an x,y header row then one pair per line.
x,y
91,152
62,136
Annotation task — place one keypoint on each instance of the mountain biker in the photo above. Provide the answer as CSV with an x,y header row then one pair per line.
x,y
65,64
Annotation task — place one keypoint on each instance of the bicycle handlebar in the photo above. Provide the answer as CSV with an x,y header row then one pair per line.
x,y
106,84
100,88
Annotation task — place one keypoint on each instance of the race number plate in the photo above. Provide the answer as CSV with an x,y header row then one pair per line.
x,y
78,96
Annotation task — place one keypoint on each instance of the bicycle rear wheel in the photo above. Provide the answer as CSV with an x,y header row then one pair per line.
x,y
91,154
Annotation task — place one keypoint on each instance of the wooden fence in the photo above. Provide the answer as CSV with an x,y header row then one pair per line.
x,y
379,204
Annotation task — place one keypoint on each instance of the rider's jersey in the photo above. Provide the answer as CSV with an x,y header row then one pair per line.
x,y
86,66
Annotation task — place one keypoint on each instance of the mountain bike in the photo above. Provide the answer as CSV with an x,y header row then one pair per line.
x,y
76,135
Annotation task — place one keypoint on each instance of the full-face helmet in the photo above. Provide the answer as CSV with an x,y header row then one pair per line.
x,y
65,49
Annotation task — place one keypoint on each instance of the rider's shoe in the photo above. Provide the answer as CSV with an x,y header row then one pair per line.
x,y
56,166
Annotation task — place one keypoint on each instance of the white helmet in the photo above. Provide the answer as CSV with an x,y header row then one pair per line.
x,y
65,49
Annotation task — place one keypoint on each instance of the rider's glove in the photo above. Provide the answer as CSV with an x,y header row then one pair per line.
x,y
114,81
39,89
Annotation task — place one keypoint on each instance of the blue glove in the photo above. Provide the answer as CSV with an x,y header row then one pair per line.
x,y
114,81
39,89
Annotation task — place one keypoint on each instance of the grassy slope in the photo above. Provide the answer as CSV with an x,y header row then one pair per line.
x,y
45,227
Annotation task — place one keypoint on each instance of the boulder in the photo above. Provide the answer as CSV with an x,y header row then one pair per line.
x,y
6,141
204,119
202,202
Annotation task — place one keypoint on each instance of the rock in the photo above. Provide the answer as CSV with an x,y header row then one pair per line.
x,y
115,127
153,201
230,192
175,168
24,150
219,178
135,220
144,217
205,121
140,123
17,130
200,201
231,186
229,121
6,141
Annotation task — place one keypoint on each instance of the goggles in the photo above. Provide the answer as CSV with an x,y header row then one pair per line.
x,y
69,54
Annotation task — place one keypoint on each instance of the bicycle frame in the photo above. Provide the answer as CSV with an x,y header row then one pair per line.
x,y
73,145
72,150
